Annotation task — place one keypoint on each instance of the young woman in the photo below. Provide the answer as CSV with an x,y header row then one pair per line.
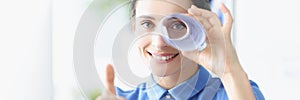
x,y
183,75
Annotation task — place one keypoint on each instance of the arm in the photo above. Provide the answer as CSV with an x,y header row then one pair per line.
x,y
235,81
237,85
220,56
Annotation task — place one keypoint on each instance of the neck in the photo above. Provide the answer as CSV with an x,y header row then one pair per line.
x,y
184,73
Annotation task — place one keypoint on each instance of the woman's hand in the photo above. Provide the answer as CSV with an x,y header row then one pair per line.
x,y
110,92
219,56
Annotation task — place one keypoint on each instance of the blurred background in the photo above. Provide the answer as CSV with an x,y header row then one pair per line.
x,y
37,36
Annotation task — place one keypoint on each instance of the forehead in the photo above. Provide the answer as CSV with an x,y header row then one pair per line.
x,y
161,7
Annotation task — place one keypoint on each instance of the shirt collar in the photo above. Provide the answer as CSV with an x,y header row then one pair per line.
x,y
182,91
154,91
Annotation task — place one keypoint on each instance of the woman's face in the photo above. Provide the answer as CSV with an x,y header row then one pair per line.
x,y
164,60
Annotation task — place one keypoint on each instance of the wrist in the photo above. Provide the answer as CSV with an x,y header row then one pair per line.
x,y
237,85
234,71
237,75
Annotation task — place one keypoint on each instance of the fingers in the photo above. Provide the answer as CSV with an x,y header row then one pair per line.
x,y
109,79
211,17
201,58
204,22
215,38
228,19
207,18
199,12
110,93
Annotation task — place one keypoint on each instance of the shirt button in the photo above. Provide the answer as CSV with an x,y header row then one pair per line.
x,y
168,96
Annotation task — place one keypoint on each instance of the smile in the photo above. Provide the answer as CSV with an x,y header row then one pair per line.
x,y
164,57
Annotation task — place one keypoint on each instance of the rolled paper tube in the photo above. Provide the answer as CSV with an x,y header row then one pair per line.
x,y
193,39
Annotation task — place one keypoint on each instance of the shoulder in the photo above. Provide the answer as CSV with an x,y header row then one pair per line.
x,y
257,93
135,94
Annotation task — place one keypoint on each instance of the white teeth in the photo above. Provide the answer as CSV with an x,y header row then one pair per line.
x,y
163,58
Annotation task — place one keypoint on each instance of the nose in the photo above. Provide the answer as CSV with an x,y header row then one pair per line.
x,y
158,43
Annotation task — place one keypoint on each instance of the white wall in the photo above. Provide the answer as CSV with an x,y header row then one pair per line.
x,y
25,50
66,15
268,45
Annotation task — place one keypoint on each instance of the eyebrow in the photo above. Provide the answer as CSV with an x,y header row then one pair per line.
x,y
147,17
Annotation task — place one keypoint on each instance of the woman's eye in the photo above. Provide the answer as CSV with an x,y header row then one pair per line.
x,y
178,26
147,25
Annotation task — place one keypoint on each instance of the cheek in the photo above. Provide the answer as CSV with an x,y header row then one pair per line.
x,y
143,42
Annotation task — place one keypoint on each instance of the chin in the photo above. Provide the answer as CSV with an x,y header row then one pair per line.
x,y
165,70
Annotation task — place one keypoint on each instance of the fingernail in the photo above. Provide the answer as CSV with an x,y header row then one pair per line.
x,y
193,7
189,10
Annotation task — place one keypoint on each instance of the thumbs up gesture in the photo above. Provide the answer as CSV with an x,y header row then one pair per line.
x,y
110,92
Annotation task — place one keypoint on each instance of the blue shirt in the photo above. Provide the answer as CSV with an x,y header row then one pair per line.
x,y
199,87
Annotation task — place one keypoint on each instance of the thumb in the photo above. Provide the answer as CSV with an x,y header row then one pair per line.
x,y
109,79
228,20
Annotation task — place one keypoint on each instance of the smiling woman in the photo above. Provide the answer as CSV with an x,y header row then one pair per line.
x,y
183,74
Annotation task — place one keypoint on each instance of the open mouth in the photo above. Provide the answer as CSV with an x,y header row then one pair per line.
x,y
163,58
